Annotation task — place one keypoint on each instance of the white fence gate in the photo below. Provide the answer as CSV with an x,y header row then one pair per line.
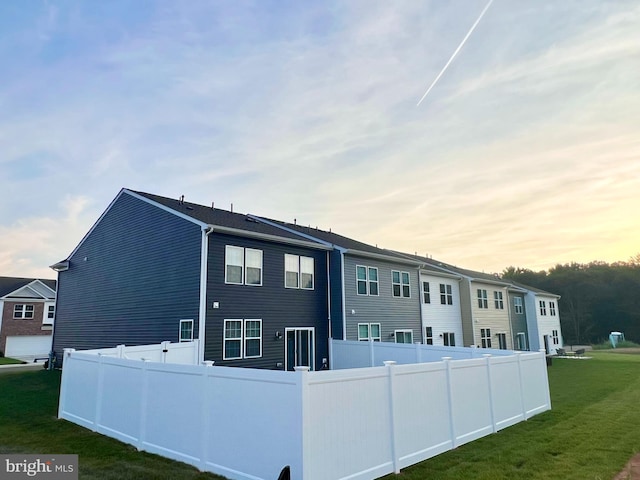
x,y
247,424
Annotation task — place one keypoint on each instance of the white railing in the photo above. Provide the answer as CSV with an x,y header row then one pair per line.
x,y
356,424
185,353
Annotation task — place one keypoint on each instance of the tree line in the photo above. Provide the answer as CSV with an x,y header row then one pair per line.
x,y
597,297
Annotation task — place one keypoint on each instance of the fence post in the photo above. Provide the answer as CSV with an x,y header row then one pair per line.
x,y
196,351
487,357
143,405
206,418
165,350
305,420
331,353
521,380
418,352
66,355
390,364
452,423
120,351
372,354
99,389
543,353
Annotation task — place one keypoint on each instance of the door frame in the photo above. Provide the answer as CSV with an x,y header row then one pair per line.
x,y
312,360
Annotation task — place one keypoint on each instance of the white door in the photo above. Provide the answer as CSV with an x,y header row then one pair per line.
x,y
28,345
299,348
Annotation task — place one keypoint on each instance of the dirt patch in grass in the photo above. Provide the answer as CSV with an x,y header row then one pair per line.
x,y
630,351
631,470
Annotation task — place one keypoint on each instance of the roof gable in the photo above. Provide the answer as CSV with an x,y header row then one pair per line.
x,y
16,287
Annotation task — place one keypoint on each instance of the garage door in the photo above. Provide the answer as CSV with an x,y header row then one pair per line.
x,y
28,345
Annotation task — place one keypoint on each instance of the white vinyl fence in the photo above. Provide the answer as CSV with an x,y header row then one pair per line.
x,y
165,352
247,424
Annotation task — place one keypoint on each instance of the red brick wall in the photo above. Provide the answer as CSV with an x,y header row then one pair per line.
x,y
21,326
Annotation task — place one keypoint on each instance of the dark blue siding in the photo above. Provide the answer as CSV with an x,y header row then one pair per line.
x,y
278,307
131,281
337,311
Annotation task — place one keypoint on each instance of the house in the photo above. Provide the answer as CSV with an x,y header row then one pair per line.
x,y
28,311
375,293
516,296
543,320
153,269
486,321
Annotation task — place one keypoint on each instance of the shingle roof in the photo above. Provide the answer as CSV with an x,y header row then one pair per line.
x,y
533,289
11,284
338,240
219,217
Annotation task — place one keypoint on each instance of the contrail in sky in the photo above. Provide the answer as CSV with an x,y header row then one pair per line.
x,y
456,52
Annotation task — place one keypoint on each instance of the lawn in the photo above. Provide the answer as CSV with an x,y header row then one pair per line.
x,y
592,431
28,424
9,361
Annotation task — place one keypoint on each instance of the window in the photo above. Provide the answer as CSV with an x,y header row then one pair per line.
x,y
543,307
252,338
521,341
186,330
242,339
367,280
449,339
369,331
298,272
517,304
552,309
243,266
446,297
400,284
426,296
555,336
485,336
428,335
497,300
50,312
23,311
253,267
502,341
403,336
482,299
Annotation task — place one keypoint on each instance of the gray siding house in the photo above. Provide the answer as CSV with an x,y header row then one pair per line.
x,y
154,268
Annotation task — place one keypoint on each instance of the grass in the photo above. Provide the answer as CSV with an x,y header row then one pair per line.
x,y
592,431
28,424
9,361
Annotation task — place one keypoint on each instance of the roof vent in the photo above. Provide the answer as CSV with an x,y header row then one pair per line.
x,y
181,199
213,205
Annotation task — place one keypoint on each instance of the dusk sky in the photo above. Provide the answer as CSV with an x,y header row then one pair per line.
x,y
525,153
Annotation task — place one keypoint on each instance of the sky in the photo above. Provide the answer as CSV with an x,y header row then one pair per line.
x,y
525,153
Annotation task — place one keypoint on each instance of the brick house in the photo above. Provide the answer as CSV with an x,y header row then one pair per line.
x,y
28,311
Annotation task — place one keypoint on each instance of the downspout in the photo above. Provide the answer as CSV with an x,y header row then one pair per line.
x,y
344,298
513,339
473,327
329,292
202,312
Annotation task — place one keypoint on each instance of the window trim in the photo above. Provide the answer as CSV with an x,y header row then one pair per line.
x,y
180,339
404,331
498,300
552,309
400,284
22,314
49,309
447,338
367,281
446,294
485,337
298,260
543,308
483,301
246,267
426,293
555,336
428,335
245,337
502,340
518,305
243,266
370,336
228,248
